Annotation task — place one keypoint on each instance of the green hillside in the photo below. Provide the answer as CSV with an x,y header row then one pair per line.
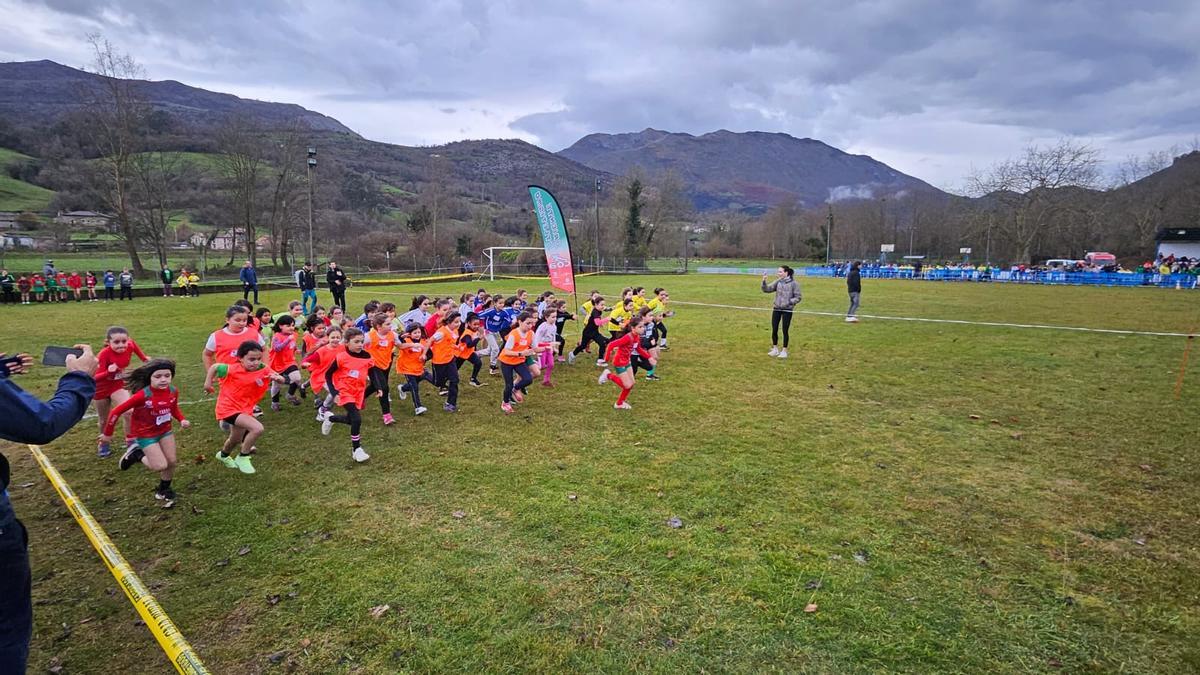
x,y
17,195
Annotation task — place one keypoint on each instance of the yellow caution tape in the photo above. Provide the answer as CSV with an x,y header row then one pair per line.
x,y
181,654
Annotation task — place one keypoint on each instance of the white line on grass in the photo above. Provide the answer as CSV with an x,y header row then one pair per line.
x,y
997,324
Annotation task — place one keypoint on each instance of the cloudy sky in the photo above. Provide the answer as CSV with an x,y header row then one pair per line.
x,y
931,88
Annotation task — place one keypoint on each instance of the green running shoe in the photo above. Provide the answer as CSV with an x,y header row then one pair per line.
x,y
227,460
243,464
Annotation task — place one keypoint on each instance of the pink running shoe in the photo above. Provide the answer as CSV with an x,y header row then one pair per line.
x,y
506,407
518,396
388,420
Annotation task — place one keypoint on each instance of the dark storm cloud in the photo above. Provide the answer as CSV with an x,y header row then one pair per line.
x,y
927,85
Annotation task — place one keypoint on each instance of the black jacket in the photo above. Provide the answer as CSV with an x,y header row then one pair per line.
x,y
853,282
306,280
332,276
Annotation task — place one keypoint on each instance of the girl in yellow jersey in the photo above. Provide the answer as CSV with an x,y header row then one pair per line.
x,y
659,312
619,317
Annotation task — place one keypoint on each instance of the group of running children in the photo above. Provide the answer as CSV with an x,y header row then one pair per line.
x,y
350,360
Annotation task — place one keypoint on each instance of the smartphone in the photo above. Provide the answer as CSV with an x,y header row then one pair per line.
x,y
57,356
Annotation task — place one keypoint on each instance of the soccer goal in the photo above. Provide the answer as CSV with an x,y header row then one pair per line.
x,y
490,254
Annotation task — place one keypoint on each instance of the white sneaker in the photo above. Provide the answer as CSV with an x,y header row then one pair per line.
x,y
623,406
326,425
570,358
403,394
783,353
601,363
360,455
774,351
852,319
603,377
420,411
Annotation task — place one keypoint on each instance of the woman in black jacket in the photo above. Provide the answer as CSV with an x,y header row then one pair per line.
x,y
854,288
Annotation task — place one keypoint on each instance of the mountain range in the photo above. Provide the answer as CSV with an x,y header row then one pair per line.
x,y
721,170
745,171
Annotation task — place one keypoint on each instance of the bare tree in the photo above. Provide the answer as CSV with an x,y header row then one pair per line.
x,y
158,181
116,114
245,169
1028,188
286,158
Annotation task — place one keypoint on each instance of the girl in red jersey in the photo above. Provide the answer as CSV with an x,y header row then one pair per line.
x,y
90,282
153,403
317,362
619,352
349,376
75,283
243,383
442,346
282,359
111,363
380,343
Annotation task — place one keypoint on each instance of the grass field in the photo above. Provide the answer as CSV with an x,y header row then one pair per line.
x,y
1056,531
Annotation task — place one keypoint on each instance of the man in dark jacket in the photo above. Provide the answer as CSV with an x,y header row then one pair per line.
x,y
335,278
307,281
854,288
25,419
249,279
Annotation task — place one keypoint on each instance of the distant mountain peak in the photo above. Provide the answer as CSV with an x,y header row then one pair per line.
x,y
37,92
749,170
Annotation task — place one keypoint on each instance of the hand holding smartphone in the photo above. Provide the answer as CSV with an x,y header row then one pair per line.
x,y
57,356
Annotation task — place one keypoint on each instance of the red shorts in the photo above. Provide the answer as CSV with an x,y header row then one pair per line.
x,y
106,388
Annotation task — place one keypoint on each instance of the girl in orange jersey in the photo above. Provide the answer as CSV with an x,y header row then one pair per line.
x,y
349,376
111,363
282,359
518,347
243,383
410,363
443,344
314,335
381,345
464,352
318,362
222,345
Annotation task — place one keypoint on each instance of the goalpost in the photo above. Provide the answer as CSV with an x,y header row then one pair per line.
x,y
489,257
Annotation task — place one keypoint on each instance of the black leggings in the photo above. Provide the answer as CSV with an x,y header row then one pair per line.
x,y
413,386
591,335
445,375
526,378
354,419
660,330
126,292
476,364
108,293
777,316
378,377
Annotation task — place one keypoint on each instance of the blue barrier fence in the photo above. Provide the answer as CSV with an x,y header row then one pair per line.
x,y
1188,281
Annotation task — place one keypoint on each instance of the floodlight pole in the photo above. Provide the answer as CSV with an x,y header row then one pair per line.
x,y
597,196
829,237
312,167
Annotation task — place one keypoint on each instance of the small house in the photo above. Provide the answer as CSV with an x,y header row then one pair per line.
x,y
1179,242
